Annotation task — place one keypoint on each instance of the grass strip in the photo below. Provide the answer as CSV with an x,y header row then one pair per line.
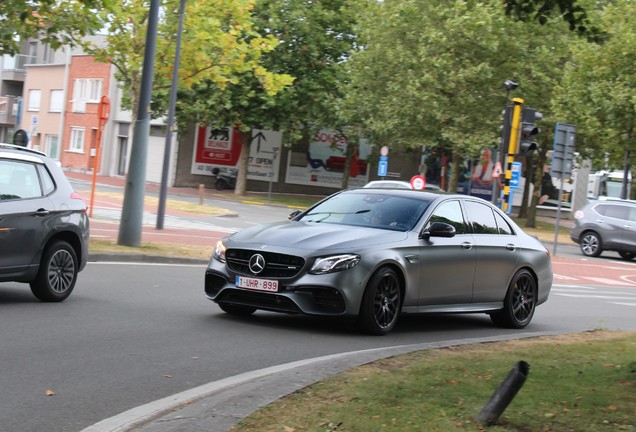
x,y
577,382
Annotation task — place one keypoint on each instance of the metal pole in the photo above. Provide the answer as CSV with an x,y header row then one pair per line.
x,y
558,216
173,100
130,226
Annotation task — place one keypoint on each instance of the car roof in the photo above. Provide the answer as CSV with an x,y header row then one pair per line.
x,y
5,146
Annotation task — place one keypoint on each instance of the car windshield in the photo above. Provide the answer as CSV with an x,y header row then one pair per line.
x,y
383,211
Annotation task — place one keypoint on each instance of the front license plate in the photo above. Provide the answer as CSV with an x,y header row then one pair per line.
x,y
257,284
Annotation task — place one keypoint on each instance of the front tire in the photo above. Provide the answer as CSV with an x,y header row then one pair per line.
x,y
519,303
220,184
381,303
591,244
233,309
57,274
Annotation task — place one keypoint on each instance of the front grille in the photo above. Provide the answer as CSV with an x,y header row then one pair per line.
x,y
276,265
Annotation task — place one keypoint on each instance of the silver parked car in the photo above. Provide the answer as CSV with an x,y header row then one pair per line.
x,y
607,224
44,227
373,254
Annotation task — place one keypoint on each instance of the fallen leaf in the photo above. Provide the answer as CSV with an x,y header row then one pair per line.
x,y
167,376
49,393
612,408
288,429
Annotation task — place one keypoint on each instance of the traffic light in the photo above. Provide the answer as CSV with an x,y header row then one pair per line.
x,y
529,130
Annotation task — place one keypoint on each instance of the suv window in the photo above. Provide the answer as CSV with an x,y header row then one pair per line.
x,y
19,180
613,211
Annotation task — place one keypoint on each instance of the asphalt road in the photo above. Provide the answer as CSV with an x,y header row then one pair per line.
x,y
131,334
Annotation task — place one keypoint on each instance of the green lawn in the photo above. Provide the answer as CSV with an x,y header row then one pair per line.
x,y
581,382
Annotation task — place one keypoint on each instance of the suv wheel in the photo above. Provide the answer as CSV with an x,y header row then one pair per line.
x,y
57,274
591,244
628,256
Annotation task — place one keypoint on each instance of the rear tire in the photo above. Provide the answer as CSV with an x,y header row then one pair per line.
x,y
591,244
57,274
628,256
381,303
519,304
233,309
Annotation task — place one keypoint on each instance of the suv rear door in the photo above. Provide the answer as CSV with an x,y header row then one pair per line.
x,y
25,213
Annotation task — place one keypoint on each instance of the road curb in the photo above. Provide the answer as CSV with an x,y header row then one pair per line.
x,y
217,406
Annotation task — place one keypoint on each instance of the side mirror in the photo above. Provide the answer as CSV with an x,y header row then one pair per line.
x,y
293,214
439,229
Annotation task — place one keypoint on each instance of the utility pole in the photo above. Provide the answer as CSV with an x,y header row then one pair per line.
x,y
130,226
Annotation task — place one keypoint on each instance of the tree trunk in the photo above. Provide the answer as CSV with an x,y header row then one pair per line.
x,y
456,161
241,178
531,221
529,169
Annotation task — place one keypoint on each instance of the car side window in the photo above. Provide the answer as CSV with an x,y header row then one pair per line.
x,y
19,180
450,212
481,217
503,226
48,185
613,211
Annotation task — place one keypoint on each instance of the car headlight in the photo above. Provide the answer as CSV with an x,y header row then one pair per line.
x,y
334,263
219,251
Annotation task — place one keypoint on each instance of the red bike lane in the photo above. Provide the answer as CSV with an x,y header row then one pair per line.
x,y
597,272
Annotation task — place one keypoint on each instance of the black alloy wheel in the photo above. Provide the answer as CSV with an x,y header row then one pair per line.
x,y
381,303
57,274
520,302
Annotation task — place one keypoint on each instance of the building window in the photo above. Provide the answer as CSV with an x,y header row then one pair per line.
x,y
86,90
57,101
52,146
77,140
34,100
94,90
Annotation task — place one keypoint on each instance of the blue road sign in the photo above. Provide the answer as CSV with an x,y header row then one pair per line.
x,y
383,167
516,174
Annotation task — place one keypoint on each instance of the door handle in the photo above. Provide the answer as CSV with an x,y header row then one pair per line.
x,y
511,247
467,245
42,212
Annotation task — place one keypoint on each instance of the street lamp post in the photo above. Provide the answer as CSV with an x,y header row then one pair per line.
x,y
132,213
173,100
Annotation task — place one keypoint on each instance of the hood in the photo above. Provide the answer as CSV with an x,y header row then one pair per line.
x,y
313,236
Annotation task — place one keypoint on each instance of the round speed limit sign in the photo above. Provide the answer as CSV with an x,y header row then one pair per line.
x,y
418,182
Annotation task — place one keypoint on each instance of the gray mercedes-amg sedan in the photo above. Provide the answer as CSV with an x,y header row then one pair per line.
x,y
375,254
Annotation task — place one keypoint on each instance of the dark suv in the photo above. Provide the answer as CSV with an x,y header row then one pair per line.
x,y
607,224
44,227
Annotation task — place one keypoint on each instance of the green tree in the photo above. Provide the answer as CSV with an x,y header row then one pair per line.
x,y
432,73
56,22
598,93
314,39
570,11
219,44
